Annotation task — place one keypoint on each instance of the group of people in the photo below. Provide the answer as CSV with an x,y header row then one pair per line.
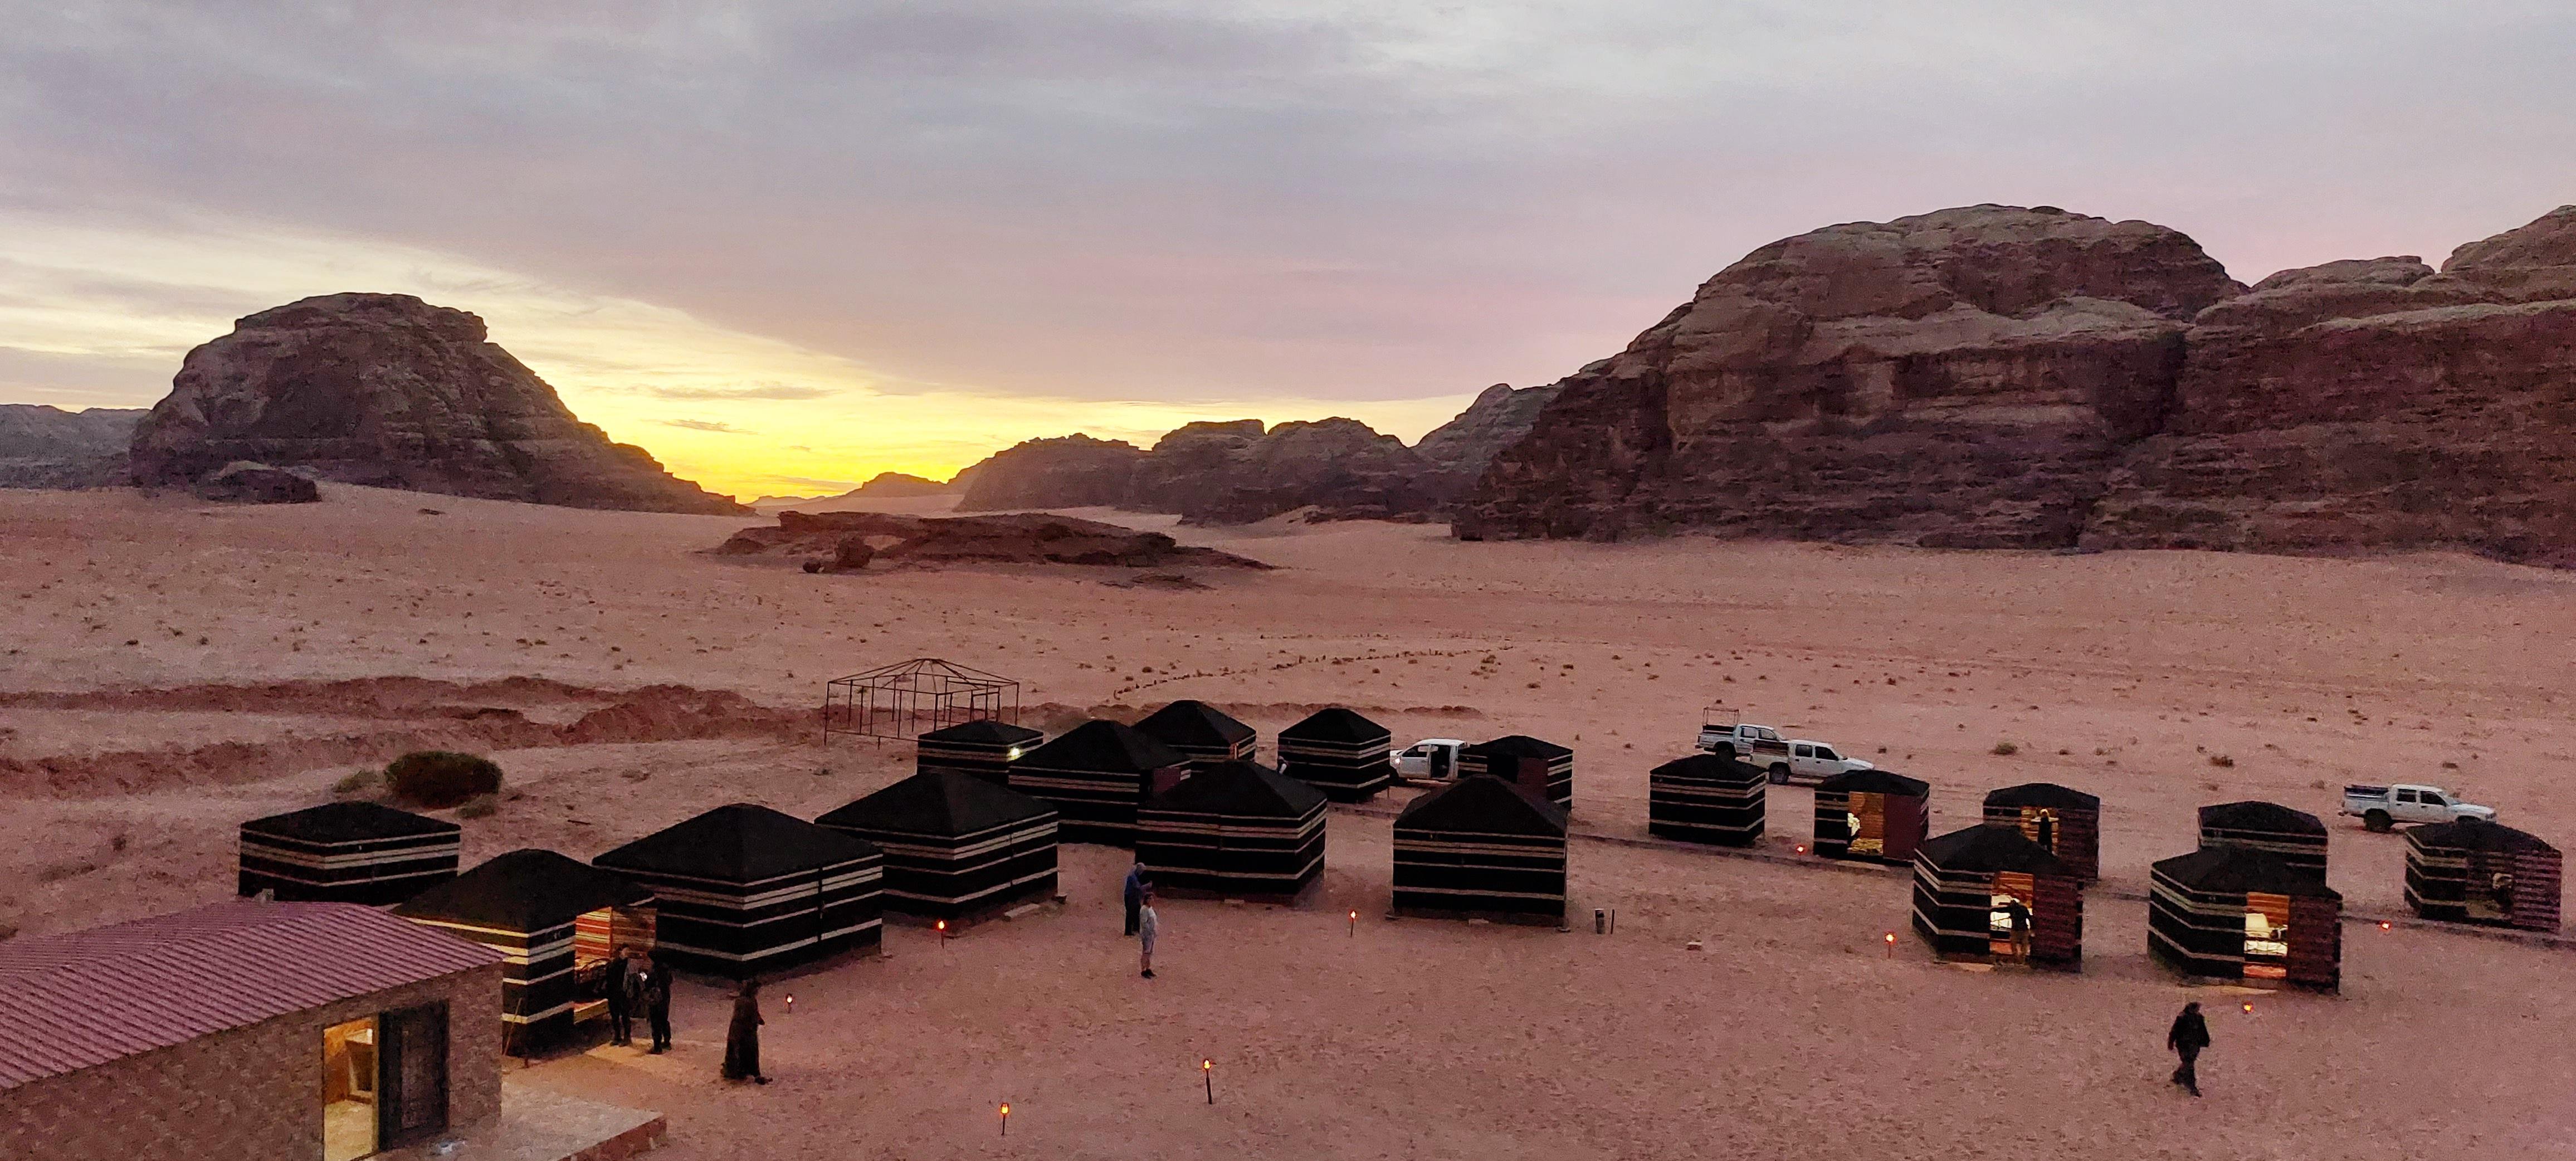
x,y
636,982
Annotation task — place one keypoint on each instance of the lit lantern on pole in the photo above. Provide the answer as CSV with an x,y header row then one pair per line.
x,y
2249,1007
1006,1118
942,927
1207,1069
1891,945
1355,924
791,1001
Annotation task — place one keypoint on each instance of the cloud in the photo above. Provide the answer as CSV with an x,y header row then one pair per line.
x,y
703,425
768,391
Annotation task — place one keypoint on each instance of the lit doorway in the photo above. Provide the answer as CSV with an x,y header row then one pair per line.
x,y
349,1074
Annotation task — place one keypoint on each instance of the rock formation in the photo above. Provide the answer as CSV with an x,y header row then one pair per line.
x,y
1499,417
1231,472
249,483
387,390
47,447
1074,471
1959,378
881,486
853,541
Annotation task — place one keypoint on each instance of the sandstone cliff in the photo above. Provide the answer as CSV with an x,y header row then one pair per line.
x,y
47,447
1230,472
1499,417
387,390
1073,471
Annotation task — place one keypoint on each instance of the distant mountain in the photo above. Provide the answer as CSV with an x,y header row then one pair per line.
x,y
882,486
47,447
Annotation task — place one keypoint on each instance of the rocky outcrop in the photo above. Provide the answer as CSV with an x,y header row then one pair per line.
x,y
1231,472
881,486
1073,471
2373,404
856,541
47,447
249,483
1959,378
1499,417
389,391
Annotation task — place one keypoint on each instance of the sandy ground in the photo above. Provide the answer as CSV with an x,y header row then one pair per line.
x,y
170,669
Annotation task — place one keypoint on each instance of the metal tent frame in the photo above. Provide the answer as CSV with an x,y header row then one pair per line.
x,y
910,698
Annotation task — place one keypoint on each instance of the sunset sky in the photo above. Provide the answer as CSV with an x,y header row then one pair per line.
x,y
786,246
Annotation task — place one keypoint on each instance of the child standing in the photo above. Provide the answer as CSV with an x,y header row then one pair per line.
x,y
1148,925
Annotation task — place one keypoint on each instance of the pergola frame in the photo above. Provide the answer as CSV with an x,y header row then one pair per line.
x,y
910,698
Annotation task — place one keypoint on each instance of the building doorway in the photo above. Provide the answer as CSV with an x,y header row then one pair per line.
x,y
349,1075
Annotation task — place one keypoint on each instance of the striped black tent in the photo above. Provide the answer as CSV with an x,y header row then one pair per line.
x,y
525,905
745,889
1233,829
955,845
1986,893
1872,814
1481,848
1706,798
2067,822
2476,871
1095,775
347,852
1201,732
1546,768
2241,914
1339,752
2294,835
984,748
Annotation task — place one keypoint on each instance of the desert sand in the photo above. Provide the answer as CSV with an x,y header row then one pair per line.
x,y
171,668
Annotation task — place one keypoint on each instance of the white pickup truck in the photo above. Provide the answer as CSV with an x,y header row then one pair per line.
x,y
1787,759
1431,760
2382,807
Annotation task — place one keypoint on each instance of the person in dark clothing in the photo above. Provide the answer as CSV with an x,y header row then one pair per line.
x,y
742,1038
621,997
1135,894
2190,1034
2017,923
655,981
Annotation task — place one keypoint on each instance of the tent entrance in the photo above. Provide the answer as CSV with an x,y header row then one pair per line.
x,y
1867,818
2267,936
349,1076
2008,914
597,937
2039,825
2487,892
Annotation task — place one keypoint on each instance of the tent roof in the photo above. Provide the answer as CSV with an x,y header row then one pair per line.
x,y
940,802
2231,869
2475,834
1193,723
1518,746
1989,848
738,843
524,890
984,732
1240,788
1875,782
1709,766
1483,802
2047,794
2260,816
1336,724
341,822
1103,745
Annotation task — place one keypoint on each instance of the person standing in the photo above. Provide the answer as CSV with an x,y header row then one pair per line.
x,y
1148,925
2190,1034
655,981
2017,920
621,997
1134,894
742,1038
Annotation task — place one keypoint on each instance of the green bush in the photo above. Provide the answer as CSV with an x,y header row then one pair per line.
x,y
438,779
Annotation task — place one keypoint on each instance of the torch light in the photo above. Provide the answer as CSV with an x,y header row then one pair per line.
x,y
1891,945
1355,925
2249,1007
942,927
1006,1118
791,1001
1207,1070
2383,925
1801,848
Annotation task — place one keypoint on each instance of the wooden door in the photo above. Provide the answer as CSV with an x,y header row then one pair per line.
x,y
411,1103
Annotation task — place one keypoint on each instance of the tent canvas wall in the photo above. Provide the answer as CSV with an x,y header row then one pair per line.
x,y
1706,798
1339,752
1973,886
2244,915
1872,815
1233,829
2480,872
955,845
745,889
2067,822
1201,732
1545,768
2295,836
347,852
1481,847
1095,775
526,905
984,748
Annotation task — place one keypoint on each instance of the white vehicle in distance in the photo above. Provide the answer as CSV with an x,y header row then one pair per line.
x,y
2381,808
1429,760
1814,762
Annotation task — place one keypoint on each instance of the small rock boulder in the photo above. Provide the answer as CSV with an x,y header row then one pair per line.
x,y
244,482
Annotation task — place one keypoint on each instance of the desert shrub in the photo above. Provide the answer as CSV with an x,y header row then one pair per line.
x,y
362,782
479,806
441,778
2222,761
2006,749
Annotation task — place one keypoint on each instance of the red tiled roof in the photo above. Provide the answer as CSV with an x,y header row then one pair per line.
x,y
85,998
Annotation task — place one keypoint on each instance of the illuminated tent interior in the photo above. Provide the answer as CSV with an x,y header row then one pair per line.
x,y
1871,815
1706,798
2068,823
2244,915
526,904
1974,887
1236,830
955,845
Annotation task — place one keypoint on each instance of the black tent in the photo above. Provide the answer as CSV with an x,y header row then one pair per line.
x,y
746,889
1201,732
954,844
984,748
525,905
1706,798
1339,752
1969,882
2066,821
2239,913
1546,768
1234,829
2294,835
347,852
1872,814
1481,847
2475,871
1095,775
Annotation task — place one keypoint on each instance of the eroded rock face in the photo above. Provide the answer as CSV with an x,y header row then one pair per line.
x,y
47,447
390,391
249,483
1499,417
1232,472
1074,471
1959,378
